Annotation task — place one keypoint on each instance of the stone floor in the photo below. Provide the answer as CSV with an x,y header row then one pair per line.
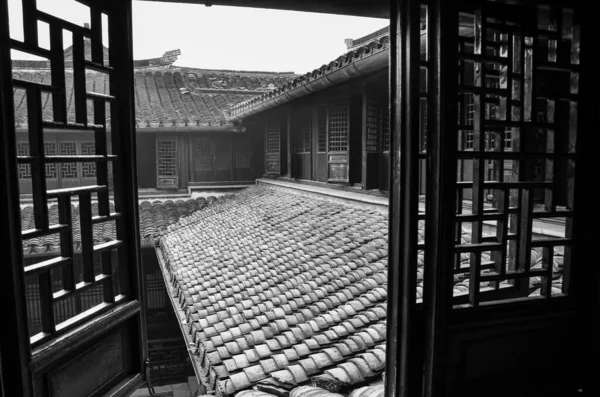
x,y
176,390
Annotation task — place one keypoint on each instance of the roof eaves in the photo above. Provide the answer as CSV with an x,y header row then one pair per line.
x,y
363,60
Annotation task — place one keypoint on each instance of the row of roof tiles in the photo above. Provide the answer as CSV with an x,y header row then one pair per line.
x,y
365,51
278,288
154,217
164,97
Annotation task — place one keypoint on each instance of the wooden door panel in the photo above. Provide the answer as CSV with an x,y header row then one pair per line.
x,y
223,160
244,160
338,142
319,129
204,160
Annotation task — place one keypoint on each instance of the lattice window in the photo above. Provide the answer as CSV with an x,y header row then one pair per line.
x,y
101,282
51,169
167,158
272,137
508,138
385,113
504,259
373,125
88,170
24,169
322,126
68,170
469,117
338,125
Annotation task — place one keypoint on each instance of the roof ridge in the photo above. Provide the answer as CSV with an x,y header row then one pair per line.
x,y
235,71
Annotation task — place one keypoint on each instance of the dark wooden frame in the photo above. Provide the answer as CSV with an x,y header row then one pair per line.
x,y
403,345
34,362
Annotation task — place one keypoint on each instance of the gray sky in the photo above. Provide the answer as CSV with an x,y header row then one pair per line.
x,y
223,37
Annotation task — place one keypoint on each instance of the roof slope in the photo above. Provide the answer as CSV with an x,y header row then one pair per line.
x,y
277,288
154,217
366,59
164,96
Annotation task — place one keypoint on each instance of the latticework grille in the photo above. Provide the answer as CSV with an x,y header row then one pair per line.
x,y
51,169
68,170
518,97
373,125
167,157
385,126
322,132
88,170
338,125
272,137
95,282
24,169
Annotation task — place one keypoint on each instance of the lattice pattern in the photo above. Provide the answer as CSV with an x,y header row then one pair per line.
x,y
24,169
167,158
518,87
385,126
338,125
373,125
273,137
88,170
51,169
65,286
322,133
68,170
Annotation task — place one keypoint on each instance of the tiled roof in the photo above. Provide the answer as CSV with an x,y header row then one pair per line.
x,y
278,289
164,96
352,44
154,217
323,74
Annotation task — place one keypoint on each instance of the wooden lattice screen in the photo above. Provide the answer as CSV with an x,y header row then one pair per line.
x,y
39,161
322,129
272,146
166,166
374,126
518,95
338,125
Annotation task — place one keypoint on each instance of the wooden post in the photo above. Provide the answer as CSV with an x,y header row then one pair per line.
x,y
403,352
363,179
288,128
15,350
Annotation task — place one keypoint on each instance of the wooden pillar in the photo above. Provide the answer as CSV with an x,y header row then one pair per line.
x,y
403,351
441,188
288,129
363,179
15,348
585,275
